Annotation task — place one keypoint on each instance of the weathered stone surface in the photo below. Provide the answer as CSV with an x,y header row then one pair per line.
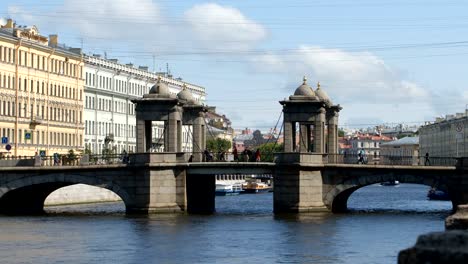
x,y
459,220
439,247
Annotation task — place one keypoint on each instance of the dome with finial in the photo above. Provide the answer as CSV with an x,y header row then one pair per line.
x,y
185,95
304,89
160,88
322,95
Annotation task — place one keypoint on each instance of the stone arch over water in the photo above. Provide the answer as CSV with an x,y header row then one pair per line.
x,y
337,195
27,195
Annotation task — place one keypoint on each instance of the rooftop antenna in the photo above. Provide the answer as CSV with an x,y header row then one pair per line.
x,y
105,55
154,63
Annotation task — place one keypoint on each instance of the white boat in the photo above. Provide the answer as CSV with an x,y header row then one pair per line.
x,y
223,189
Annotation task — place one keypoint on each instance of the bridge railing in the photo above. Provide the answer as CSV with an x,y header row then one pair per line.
x,y
388,160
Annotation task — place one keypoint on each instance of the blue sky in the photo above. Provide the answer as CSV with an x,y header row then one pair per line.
x,y
382,61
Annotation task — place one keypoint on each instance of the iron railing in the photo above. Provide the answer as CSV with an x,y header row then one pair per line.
x,y
105,159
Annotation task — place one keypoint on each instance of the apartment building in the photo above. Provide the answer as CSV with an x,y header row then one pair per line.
x,y
41,87
109,114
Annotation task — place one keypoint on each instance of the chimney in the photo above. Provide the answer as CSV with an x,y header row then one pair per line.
x,y
53,40
129,65
9,23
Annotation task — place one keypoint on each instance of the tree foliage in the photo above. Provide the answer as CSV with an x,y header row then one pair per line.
x,y
341,133
217,145
267,150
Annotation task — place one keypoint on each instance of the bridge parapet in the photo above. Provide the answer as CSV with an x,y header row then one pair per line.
x,y
157,157
298,158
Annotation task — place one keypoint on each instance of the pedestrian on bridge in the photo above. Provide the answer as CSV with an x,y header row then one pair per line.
x,y
236,155
427,162
257,155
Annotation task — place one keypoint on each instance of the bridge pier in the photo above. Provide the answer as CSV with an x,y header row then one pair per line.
x,y
158,190
298,188
458,183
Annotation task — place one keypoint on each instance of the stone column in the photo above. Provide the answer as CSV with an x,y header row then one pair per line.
x,y
197,141
288,137
140,136
179,136
304,137
171,134
318,136
203,137
332,139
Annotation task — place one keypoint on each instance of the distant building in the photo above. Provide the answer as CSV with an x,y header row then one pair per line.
x,y
398,131
446,137
109,114
404,151
367,143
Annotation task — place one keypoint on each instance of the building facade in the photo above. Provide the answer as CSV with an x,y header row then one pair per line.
x,y
109,114
404,151
41,87
446,137
367,144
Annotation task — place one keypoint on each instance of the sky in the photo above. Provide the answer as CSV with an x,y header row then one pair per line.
x,y
384,62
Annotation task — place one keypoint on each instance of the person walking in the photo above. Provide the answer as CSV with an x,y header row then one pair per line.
x,y
427,162
236,155
257,155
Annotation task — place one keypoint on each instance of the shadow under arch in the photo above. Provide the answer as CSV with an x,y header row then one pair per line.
x,y
27,195
336,199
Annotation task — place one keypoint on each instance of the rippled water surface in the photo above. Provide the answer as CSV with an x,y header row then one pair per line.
x,y
382,221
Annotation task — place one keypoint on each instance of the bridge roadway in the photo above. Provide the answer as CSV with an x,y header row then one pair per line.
x,y
189,187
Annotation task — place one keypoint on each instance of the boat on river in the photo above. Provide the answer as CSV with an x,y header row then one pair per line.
x,y
228,189
390,183
435,194
256,187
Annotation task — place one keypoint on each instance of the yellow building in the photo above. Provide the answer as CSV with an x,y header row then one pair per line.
x,y
41,93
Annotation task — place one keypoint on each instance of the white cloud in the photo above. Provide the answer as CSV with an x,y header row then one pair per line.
x,y
224,27
345,76
205,26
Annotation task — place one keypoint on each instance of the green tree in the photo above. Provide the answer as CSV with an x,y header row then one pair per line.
x,y
218,145
268,150
341,133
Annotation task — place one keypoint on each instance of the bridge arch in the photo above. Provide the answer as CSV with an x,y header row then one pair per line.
x,y
336,198
27,195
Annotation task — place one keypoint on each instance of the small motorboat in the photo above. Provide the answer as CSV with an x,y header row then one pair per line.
x,y
390,183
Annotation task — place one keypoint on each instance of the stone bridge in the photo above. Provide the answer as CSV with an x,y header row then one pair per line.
x,y
166,182
171,186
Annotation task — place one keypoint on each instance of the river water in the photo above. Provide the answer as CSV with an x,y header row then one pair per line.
x,y
382,221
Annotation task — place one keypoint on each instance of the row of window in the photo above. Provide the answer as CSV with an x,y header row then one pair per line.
x,y
36,61
63,91
40,137
8,108
106,128
117,85
106,105
360,144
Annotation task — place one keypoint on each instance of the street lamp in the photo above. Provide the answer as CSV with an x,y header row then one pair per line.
x,y
32,125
